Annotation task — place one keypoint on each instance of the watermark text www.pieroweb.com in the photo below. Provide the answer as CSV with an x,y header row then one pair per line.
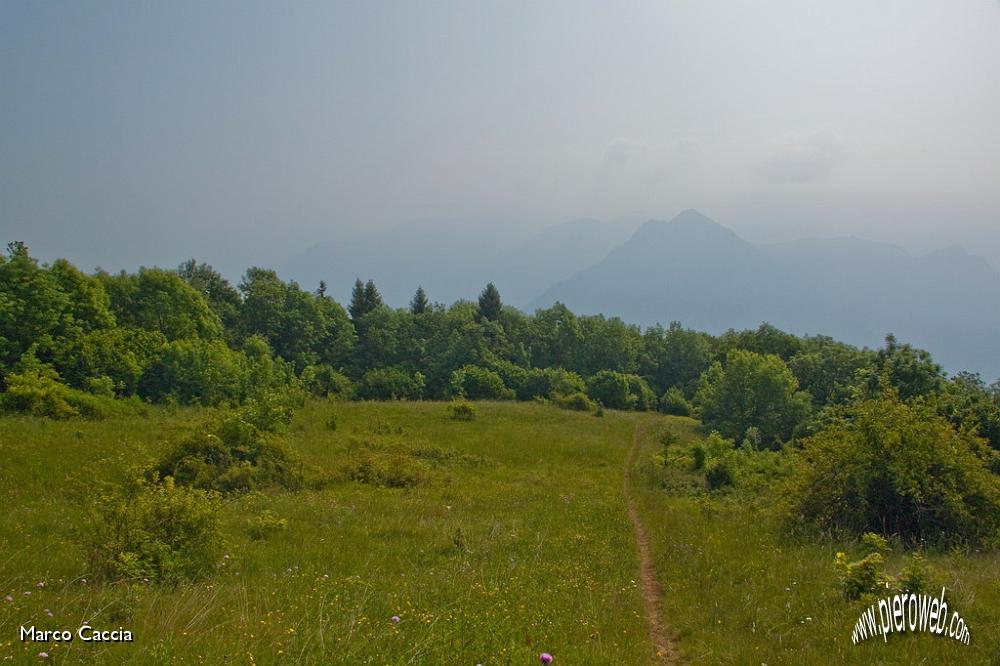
x,y
910,612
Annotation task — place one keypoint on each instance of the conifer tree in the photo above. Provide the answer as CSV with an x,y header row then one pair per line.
x,y
357,306
373,299
489,303
419,303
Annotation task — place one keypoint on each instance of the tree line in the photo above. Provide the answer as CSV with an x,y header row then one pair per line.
x,y
189,336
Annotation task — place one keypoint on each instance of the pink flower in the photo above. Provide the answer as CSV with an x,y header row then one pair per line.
x,y
8,598
395,619
545,658
43,655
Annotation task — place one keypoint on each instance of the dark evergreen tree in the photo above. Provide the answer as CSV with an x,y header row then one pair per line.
x,y
357,307
419,303
373,299
489,303
321,291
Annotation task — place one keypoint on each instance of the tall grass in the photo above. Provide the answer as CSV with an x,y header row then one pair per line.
x,y
512,541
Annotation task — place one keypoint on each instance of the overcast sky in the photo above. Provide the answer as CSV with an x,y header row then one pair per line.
x,y
243,132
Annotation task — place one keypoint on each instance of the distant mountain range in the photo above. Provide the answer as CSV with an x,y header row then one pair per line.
x,y
452,260
696,271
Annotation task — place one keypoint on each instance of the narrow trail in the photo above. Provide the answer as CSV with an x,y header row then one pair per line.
x,y
666,652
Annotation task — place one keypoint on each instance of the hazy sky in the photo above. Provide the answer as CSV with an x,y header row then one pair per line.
x,y
240,132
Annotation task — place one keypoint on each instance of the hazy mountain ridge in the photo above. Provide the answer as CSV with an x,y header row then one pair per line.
x,y
453,260
700,273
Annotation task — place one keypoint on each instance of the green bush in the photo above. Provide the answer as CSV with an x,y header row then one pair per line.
x,y
239,453
674,402
865,577
265,525
719,474
325,382
576,401
887,466
611,389
478,383
38,392
388,470
156,531
391,383
462,410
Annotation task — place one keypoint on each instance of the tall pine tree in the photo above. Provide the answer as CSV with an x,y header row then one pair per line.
x,y
373,299
419,303
489,303
357,306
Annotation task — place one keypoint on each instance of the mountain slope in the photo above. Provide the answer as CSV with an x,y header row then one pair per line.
x,y
693,270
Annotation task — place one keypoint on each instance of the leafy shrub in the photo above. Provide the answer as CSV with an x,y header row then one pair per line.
x,y
674,402
462,410
389,470
547,383
611,389
391,383
194,371
265,525
241,452
576,401
645,399
863,577
698,453
719,474
617,390
899,469
324,381
38,392
478,383
156,531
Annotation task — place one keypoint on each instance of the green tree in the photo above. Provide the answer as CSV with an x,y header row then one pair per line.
x,y
752,390
419,303
159,300
490,304
222,297
357,306
893,468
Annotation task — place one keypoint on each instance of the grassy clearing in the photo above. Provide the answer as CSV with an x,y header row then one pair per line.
x,y
739,590
492,539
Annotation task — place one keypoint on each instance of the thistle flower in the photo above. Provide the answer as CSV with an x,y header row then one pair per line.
x,y
545,658
395,619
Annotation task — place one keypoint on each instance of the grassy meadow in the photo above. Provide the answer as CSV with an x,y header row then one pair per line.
x,y
738,589
507,537
512,541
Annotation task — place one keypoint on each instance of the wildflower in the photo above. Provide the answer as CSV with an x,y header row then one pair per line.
x,y
545,658
43,655
48,612
27,594
40,584
395,619
8,598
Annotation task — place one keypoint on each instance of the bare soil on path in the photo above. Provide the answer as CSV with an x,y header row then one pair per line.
x,y
666,651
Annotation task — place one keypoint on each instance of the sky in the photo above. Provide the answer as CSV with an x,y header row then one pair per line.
x,y
243,132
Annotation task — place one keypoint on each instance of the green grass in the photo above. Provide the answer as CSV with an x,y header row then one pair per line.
x,y
514,542
739,590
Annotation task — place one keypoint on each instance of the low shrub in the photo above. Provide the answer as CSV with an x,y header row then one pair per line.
x,y
462,410
239,453
673,402
38,392
478,383
576,401
388,470
265,525
391,383
156,531
719,474
900,469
